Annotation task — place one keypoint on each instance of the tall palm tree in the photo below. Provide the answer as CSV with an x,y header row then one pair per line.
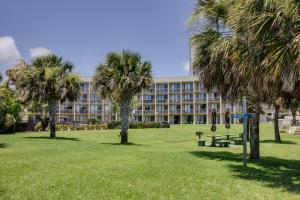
x,y
233,61
121,77
46,80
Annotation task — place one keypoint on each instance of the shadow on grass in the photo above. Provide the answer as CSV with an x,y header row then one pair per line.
x,y
272,171
273,141
3,145
128,144
55,138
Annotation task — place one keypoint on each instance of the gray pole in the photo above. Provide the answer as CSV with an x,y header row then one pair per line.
x,y
244,132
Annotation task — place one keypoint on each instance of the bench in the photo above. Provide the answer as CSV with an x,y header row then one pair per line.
x,y
237,141
201,142
199,134
224,143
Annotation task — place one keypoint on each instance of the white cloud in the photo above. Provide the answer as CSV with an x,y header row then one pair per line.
x,y
9,53
39,51
186,66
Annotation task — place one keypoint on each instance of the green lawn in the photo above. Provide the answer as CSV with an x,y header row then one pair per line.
x,y
158,164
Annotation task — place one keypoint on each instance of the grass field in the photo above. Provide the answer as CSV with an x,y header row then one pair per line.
x,y
158,164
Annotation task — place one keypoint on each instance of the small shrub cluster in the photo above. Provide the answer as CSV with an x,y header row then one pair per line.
x,y
70,127
138,125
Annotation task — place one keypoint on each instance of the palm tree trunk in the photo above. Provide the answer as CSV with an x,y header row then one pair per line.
x,y
294,116
276,126
254,136
52,112
124,114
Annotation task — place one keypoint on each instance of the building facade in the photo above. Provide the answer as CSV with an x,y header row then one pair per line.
x,y
177,100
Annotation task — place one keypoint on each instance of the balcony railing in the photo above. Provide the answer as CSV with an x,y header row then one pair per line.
x,y
96,111
82,111
175,111
201,99
138,112
187,90
149,101
174,100
200,110
66,110
161,101
95,101
174,90
163,111
187,111
148,111
187,100
214,98
162,90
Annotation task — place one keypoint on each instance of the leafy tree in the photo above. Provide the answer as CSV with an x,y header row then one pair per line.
x,y
10,109
121,77
255,53
47,80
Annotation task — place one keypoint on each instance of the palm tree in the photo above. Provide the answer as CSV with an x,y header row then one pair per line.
x,y
121,77
47,80
232,61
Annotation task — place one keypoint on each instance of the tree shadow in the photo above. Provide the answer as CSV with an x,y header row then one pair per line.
x,y
55,138
282,142
127,144
272,171
3,145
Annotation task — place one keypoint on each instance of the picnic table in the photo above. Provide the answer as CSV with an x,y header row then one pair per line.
x,y
228,135
214,139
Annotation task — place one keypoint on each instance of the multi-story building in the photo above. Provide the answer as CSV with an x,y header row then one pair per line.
x,y
176,100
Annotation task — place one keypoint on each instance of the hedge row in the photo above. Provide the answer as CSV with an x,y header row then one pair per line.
x,y
66,127
138,125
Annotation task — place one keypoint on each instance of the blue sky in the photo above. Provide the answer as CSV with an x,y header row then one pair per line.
x,y
83,31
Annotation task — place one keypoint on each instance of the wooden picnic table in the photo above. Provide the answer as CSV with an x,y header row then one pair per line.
x,y
228,135
213,139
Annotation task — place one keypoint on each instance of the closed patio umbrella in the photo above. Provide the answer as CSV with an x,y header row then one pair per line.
x,y
213,120
227,119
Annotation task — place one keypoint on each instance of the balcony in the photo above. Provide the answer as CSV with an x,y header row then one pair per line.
x,y
96,111
66,110
203,99
149,101
138,112
187,100
82,101
175,101
82,111
214,98
187,90
174,90
200,110
174,111
149,112
187,111
159,91
163,111
162,101
95,101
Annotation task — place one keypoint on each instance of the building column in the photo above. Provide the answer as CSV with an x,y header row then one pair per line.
x,y
168,102
89,101
194,102
234,120
181,107
143,106
155,116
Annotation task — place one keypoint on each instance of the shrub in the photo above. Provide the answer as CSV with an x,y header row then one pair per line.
x,y
93,121
114,124
58,127
84,127
38,127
